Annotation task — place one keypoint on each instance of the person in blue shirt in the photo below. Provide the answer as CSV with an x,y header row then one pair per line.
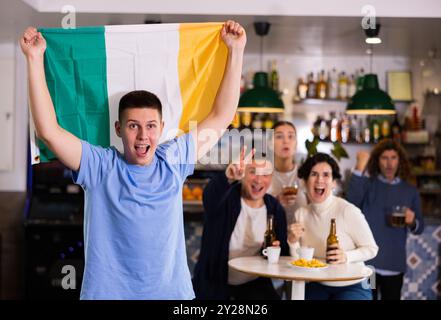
x,y
133,220
377,184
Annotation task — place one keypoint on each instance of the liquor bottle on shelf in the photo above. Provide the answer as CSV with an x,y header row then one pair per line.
x,y
360,79
269,120
352,86
235,124
345,129
257,122
342,86
274,79
324,129
316,127
415,120
246,120
375,130
332,84
335,130
358,129
322,86
302,89
312,86
396,130
385,129
366,132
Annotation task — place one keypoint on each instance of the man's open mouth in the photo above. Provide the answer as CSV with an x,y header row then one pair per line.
x,y
256,188
142,149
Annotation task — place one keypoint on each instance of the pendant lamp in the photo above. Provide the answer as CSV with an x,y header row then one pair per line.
x,y
261,98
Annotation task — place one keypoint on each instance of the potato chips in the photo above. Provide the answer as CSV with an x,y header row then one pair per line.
x,y
314,263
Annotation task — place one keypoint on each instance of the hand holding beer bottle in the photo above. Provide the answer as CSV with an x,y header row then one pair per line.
x,y
334,255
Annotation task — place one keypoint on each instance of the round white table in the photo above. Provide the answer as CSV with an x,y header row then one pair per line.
x,y
283,270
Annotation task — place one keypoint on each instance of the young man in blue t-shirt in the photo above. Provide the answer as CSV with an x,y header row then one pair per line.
x,y
133,223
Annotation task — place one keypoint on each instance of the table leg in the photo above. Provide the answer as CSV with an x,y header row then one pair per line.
x,y
298,290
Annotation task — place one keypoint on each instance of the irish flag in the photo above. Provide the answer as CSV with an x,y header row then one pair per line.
x,y
89,69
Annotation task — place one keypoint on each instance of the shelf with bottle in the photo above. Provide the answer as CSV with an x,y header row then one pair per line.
x,y
353,129
253,120
420,172
333,87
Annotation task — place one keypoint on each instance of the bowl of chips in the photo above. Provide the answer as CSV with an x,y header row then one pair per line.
x,y
313,264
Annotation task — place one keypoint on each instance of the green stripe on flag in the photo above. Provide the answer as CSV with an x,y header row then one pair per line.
x,y
75,65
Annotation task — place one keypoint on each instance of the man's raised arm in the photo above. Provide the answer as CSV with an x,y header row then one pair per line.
x,y
63,144
227,97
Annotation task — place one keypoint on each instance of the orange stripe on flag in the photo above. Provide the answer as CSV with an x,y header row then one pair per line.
x,y
201,63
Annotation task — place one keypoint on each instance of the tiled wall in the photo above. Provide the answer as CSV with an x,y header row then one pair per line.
x,y
423,278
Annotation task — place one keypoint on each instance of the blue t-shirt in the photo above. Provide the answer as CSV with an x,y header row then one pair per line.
x,y
133,223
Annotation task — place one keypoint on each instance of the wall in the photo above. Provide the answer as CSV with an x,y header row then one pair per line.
x,y
290,68
391,8
14,178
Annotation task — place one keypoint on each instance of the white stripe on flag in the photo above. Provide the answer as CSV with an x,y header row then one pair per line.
x,y
144,57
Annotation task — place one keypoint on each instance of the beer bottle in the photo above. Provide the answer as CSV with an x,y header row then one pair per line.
x,y
270,234
332,240
274,80
375,130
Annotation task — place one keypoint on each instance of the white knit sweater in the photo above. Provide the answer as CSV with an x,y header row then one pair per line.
x,y
353,232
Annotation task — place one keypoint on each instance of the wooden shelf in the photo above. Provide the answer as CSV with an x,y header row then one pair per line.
x,y
431,173
193,206
327,101
350,143
192,202
430,191
321,101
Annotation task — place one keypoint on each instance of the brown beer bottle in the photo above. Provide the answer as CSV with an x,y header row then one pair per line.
x,y
332,240
270,234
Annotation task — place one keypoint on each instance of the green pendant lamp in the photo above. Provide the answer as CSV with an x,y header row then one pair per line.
x,y
261,98
370,100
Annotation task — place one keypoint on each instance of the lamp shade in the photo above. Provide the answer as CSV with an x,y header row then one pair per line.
x,y
370,100
261,98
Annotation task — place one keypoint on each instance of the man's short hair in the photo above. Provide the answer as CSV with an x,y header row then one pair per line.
x,y
139,99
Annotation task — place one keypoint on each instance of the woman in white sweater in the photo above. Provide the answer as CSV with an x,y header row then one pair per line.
x,y
356,242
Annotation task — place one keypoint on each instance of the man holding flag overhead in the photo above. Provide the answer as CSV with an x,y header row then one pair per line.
x,y
133,223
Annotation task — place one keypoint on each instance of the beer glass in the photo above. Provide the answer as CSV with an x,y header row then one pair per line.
x,y
398,217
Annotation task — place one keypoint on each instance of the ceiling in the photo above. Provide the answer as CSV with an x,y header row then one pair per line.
x,y
311,35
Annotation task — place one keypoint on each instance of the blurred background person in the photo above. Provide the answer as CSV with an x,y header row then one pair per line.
x,y
356,243
376,186
286,186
